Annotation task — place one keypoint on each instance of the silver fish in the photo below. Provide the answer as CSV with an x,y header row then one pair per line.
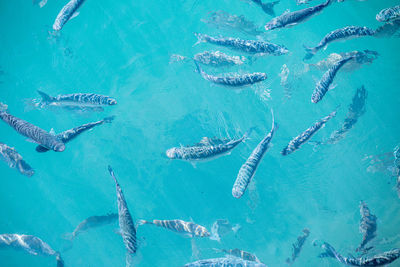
x,y
240,254
66,13
368,226
71,134
249,168
388,14
267,7
180,226
15,160
298,245
229,261
92,222
296,142
289,19
218,59
41,3
323,85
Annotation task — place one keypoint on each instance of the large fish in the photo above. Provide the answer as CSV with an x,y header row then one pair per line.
x,y
180,226
296,142
249,168
240,254
248,46
68,12
368,226
71,134
388,14
92,222
225,262
15,160
323,85
267,7
218,59
33,132
298,245
289,19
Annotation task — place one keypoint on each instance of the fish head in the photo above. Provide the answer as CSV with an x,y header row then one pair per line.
x,y
274,23
172,153
59,147
111,101
25,169
315,98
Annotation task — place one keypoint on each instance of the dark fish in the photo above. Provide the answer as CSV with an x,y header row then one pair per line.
x,y
268,7
15,160
225,262
180,226
67,12
249,168
388,29
296,142
289,19
248,46
323,85
92,222
240,254
388,14
298,245
368,226
218,59
71,134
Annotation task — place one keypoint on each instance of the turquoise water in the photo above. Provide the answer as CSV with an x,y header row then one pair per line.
x,y
123,49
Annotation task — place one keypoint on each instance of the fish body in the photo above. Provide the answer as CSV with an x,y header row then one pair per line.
x,y
248,169
368,225
218,59
296,142
180,226
66,13
298,245
93,222
325,83
388,14
225,262
240,254
248,46
77,100
289,19
15,160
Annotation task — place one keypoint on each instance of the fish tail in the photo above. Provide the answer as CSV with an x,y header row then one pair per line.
x,y
142,222
248,133
110,170
60,261
3,107
198,68
200,38
109,119
68,236
310,52
45,97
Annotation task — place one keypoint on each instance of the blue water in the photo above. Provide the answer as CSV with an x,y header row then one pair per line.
x,y
123,49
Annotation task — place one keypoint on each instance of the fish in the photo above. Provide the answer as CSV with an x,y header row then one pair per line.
x,y
92,222
68,12
296,142
41,3
71,134
180,226
32,132
233,80
388,29
207,148
325,84
248,46
218,59
368,226
298,245
240,254
338,35
222,227
268,7
376,260
15,160
289,19
248,169
388,14
225,262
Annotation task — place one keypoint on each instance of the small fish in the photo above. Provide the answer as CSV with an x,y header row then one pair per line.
x,y
249,168
71,134
284,74
289,19
180,226
240,254
68,12
368,226
268,7
388,30
325,84
388,14
298,245
296,142
41,3
222,227
15,160
248,46
233,80
218,59
225,262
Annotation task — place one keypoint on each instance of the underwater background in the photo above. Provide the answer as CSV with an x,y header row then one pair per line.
x,y
123,49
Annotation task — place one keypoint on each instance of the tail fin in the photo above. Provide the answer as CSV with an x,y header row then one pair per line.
x,y
45,97
112,174
109,119
310,52
198,68
142,222
247,134
200,38
3,107
60,261
269,7
68,236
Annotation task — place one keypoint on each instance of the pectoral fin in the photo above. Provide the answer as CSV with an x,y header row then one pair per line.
x,y
74,15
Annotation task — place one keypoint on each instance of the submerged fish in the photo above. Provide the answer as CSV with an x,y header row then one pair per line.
x,y
180,226
325,84
249,168
15,160
71,134
396,154
368,226
248,46
267,7
240,254
222,227
218,59
298,245
41,3
68,12
225,262
296,142
33,132
289,19
388,14
388,29
92,222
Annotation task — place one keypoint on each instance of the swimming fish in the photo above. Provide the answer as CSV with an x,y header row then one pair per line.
x,y
337,35
368,226
298,245
207,148
296,142
325,84
218,59
180,226
388,29
268,7
388,14
249,168
33,132
289,19
225,262
71,134
233,80
222,227
15,160
31,244
240,254
92,222
68,12
249,46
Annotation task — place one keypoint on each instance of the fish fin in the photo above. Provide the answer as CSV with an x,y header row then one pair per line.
x,y
76,13
60,261
109,119
68,236
142,222
286,11
110,170
3,107
247,134
45,97
42,3
200,38
41,149
52,132
310,52
332,86
118,232
194,164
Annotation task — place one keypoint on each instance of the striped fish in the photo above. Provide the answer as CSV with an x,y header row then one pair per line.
x,y
325,83
249,168
367,226
298,245
289,19
15,160
126,225
33,132
248,46
296,142
68,12
71,134
218,59
180,226
388,14
229,261
240,254
78,99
